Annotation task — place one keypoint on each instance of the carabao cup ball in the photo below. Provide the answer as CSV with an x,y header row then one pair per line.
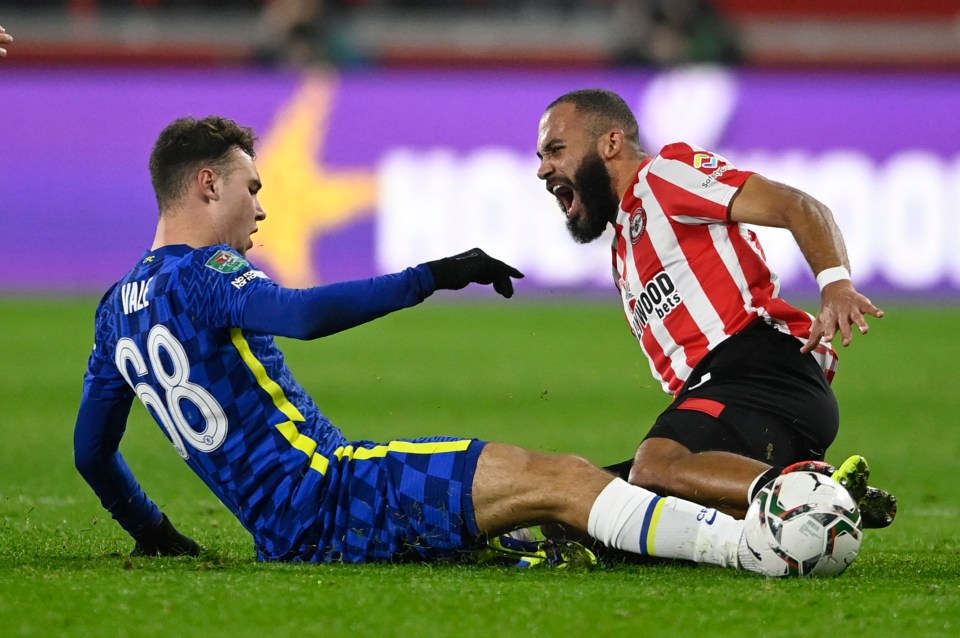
x,y
803,524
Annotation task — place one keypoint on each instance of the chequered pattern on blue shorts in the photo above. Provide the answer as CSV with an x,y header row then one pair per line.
x,y
397,505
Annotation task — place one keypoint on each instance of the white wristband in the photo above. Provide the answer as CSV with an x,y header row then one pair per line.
x,y
830,275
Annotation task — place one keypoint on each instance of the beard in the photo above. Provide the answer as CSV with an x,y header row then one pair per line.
x,y
597,200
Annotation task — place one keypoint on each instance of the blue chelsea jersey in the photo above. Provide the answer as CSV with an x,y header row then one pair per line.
x,y
167,332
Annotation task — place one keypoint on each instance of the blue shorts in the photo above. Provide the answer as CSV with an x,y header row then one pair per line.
x,y
403,500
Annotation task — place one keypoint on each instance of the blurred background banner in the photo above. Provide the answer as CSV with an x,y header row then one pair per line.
x,y
369,171
392,132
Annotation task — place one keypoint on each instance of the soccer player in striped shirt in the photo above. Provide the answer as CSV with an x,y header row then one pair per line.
x,y
190,332
750,373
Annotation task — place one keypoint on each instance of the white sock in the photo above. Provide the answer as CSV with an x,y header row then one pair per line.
x,y
636,520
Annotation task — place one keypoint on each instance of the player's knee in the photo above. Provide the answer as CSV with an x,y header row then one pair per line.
x,y
576,463
527,468
550,467
657,465
656,475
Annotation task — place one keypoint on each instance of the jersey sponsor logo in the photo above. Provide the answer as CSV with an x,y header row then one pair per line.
x,y
704,160
133,295
226,262
658,298
715,174
247,277
638,223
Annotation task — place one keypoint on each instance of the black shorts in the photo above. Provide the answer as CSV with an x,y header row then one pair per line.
x,y
755,395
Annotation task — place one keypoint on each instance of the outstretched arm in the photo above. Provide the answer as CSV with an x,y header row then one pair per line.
x,y
316,312
766,203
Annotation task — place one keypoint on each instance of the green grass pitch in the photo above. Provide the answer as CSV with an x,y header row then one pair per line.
x,y
561,376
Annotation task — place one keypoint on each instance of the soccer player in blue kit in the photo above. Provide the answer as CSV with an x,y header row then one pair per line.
x,y
190,332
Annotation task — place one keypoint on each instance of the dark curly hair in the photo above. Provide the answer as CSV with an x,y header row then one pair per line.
x,y
188,144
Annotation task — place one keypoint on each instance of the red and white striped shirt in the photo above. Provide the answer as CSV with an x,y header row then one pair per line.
x,y
690,278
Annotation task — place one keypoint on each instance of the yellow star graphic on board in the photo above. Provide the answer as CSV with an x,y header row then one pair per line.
x,y
303,198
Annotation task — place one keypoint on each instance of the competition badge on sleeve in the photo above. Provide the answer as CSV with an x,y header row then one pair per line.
x,y
226,262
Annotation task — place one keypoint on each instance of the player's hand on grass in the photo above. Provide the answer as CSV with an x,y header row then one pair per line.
x,y
164,540
841,308
5,39
474,266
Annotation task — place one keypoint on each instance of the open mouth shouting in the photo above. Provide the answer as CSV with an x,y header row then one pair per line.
x,y
566,197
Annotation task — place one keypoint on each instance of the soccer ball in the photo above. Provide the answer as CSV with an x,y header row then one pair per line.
x,y
801,524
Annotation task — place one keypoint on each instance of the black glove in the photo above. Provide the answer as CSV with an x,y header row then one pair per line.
x,y
164,540
474,266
